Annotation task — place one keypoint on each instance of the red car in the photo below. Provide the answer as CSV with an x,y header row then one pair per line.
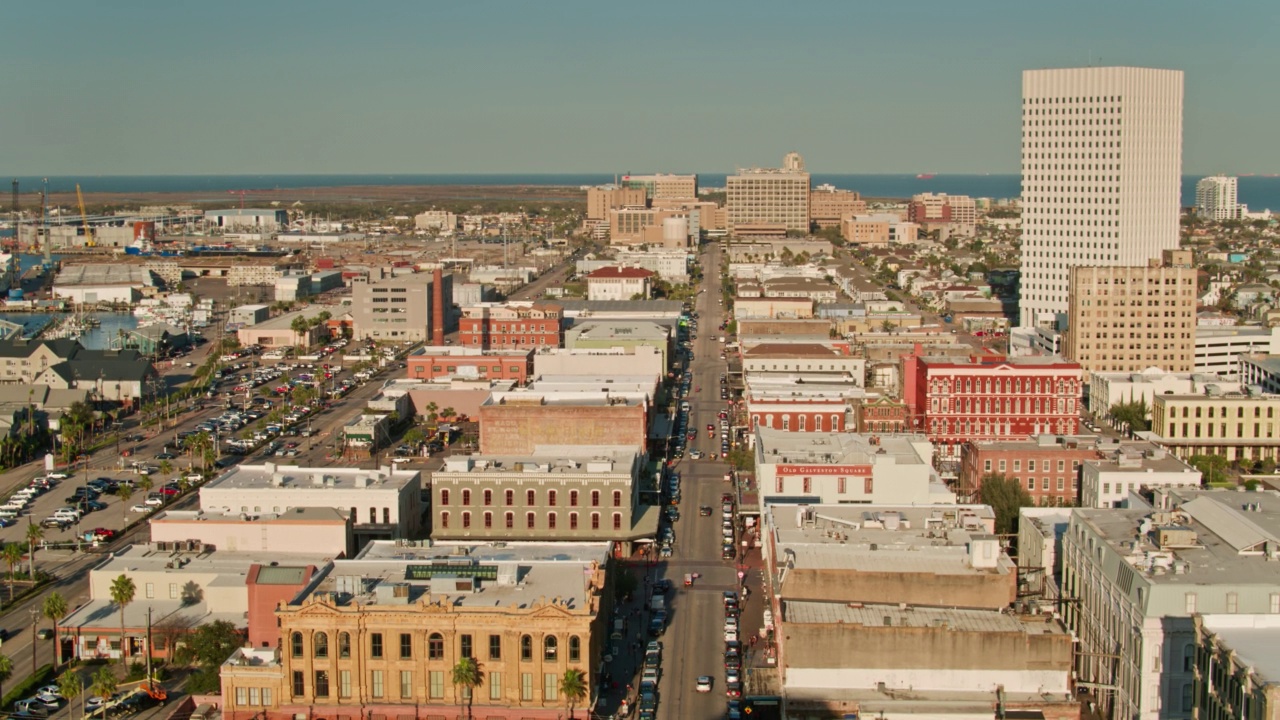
x,y
166,490
103,534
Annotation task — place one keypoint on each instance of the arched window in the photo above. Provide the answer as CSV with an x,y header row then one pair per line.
x,y
466,497
530,498
526,647
344,645
835,423
617,521
551,498
488,498
573,521
510,497
573,498
510,520
444,497
530,520
549,647
444,520
575,649
435,647
488,520
466,520
320,645
595,521
551,521
817,423
617,498
802,417
595,498
295,644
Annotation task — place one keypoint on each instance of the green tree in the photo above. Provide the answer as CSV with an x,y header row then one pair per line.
x,y
299,327
1213,468
1005,495
467,675
1134,413
122,592
211,644
71,686
35,534
166,467
104,683
573,686
12,556
54,609
124,493
6,671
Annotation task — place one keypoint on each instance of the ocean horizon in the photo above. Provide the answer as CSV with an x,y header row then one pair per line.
x,y
1259,192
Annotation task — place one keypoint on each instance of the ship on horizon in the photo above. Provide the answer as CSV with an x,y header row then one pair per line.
x,y
925,176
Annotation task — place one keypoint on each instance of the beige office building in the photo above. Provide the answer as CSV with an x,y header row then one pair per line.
x,y
600,200
827,205
879,229
663,186
1234,425
769,201
1128,319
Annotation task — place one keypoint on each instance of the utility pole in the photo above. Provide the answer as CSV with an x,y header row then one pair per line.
x,y
35,613
148,649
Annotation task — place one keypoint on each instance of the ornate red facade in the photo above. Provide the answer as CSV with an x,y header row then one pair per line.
x,y
512,326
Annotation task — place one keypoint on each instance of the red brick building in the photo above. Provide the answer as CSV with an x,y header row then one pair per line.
x,y
989,398
883,415
433,361
519,425
512,326
1049,469
802,414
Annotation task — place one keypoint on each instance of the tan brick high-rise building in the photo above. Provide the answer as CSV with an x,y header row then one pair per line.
x,y
1127,319
828,204
663,186
600,200
769,200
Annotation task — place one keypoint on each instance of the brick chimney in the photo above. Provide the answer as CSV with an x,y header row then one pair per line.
x,y
437,307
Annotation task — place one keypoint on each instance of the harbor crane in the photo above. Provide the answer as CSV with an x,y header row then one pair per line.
x,y
84,218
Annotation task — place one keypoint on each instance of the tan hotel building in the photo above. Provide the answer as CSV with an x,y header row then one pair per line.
x,y
769,201
1128,319
828,204
1236,426
663,186
377,637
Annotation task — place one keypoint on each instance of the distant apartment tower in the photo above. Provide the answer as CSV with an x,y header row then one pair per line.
x,y
663,186
1101,174
879,229
600,200
769,201
827,205
954,214
1216,198
1128,319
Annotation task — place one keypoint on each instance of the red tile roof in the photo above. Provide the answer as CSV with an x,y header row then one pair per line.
x,y
620,272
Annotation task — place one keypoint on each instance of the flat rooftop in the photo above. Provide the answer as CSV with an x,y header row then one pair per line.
x,y
618,330
270,476
829,448
882,538
1253,638
981,621
598,396
458,351
504,574
305,515
103,274
1229,542
552,459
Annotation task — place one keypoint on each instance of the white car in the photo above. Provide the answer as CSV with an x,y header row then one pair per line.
x,y
704,684
731,623
140,508
730,635
58,475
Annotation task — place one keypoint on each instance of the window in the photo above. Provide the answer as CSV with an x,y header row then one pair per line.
x,y
298,684
322,683
406,684
242,697
526,686
530,498
373,515
575,648
617,521
465,643
295,644
375,645
375,683
550,686
495,647
551,521
573,521
406,646
444,520
551,498
549,647
151,590
1233,602
617,498
488,497
1188,657
595,498
444,497
495,686
320,644
510,520
435,647
595,521
573,498
530,520
526,647
344,645
466,520
1190,603
488,520
510,497
1275,603
466,497
436,682
344,683
173,589
1187,694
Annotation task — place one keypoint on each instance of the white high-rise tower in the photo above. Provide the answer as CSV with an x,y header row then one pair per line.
x,y
1101,176
1216,198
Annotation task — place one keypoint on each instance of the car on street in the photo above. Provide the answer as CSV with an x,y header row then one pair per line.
x,y
733,689
141,508
705,510
704,684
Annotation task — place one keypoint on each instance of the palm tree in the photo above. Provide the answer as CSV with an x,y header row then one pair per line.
x,y
299,327
468,676
122,592
124,493
12,556
6,671
573,686
166,467
104,682
55,608
71,686
35,533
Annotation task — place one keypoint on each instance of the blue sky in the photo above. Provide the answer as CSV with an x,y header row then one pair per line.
x,y
476,86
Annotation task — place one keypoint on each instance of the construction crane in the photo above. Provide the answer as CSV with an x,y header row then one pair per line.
x,y
241,194
84,218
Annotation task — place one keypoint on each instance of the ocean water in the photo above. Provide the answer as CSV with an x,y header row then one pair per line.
x,y
1258,192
